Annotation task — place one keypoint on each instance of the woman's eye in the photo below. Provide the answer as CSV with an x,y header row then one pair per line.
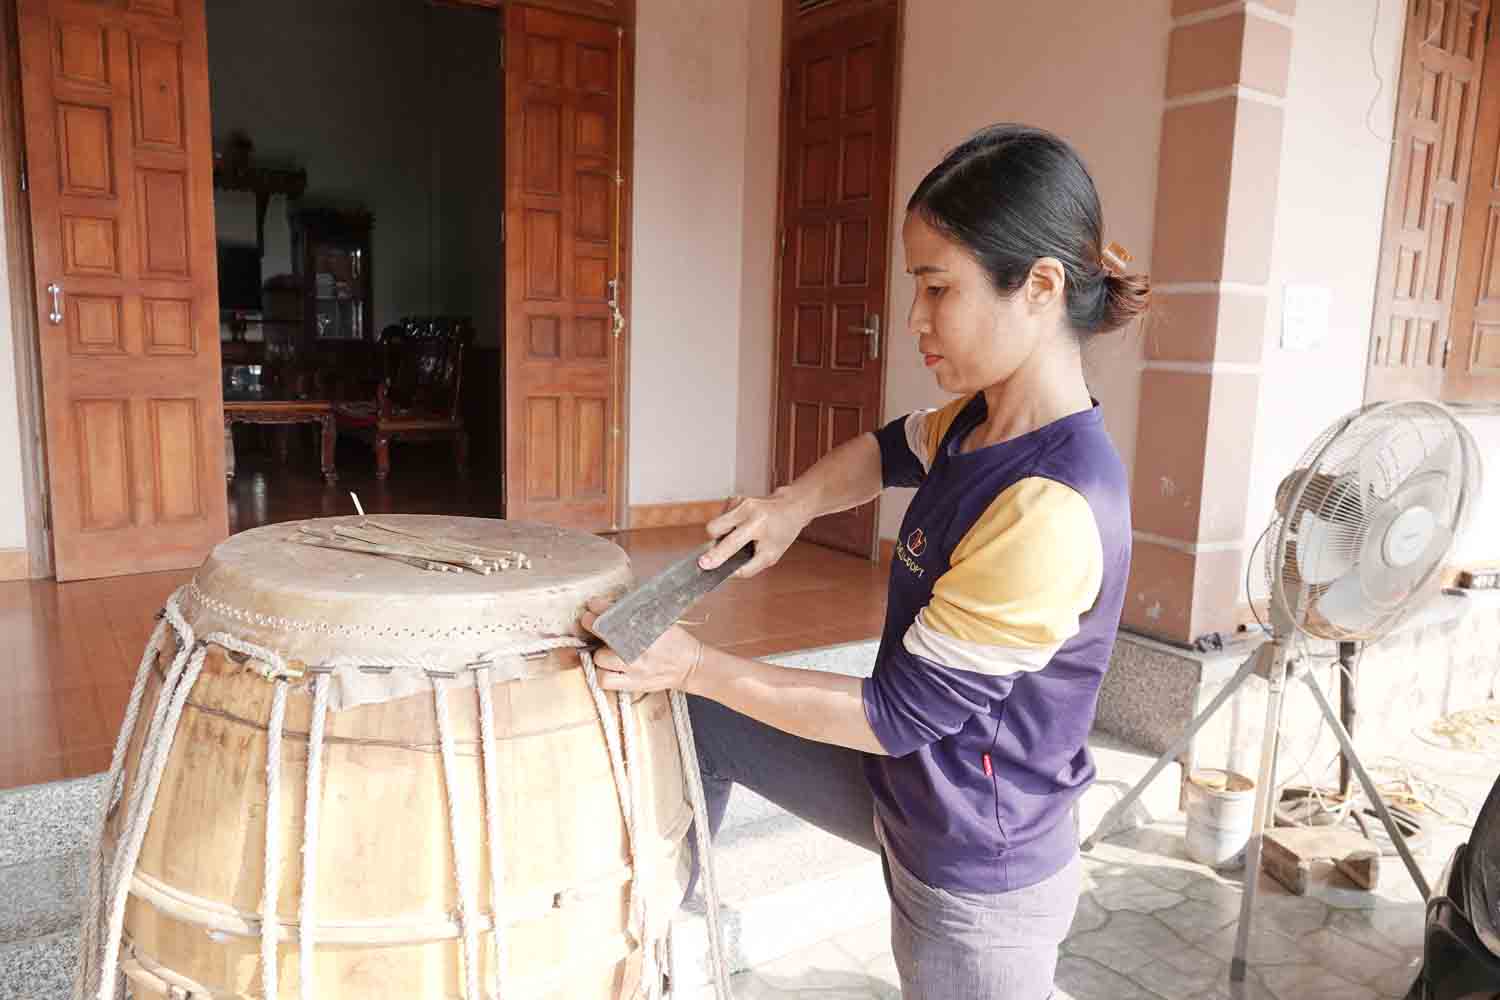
x,y
935,290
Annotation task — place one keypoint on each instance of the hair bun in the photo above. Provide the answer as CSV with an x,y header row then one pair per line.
x,y
1126,296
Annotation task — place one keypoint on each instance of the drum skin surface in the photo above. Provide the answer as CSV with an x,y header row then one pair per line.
x,y
386,911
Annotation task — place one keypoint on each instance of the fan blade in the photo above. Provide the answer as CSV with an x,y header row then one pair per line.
x,y
1376,479
1445,460
1345,606
1404,449
1325,549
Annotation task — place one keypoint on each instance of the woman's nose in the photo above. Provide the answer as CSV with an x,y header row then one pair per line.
x,y
916,319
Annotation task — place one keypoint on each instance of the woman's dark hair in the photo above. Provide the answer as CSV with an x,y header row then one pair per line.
x,y
1010,195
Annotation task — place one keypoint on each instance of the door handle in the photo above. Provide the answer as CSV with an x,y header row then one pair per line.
x,y
871,329
617,318
56,315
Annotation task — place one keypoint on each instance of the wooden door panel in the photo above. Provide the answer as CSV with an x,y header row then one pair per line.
x,y
838,111
1436,111
116,118
566,94
1472,372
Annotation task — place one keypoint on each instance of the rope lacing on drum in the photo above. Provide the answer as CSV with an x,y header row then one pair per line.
x,y
105,909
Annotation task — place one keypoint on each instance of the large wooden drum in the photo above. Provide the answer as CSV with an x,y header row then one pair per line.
x,y
328,727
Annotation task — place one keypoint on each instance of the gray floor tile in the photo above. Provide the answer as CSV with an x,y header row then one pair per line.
x,y
1089,917
1181,972
1130,891
1267,947
1129,941
1196,919
1350,959
1301,982
1083,979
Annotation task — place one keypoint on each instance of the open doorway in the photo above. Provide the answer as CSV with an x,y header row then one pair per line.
x,y
358,199
355,152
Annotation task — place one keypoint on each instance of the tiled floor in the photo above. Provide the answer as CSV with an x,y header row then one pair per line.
x,y
1154,925
68,652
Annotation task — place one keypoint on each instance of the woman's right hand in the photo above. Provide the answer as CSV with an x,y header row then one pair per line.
x,y
772,523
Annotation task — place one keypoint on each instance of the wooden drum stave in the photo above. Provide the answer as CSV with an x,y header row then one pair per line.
x,y
399,835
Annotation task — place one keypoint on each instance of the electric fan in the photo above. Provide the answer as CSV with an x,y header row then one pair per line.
x,y
1363,526
1365,522
1361,531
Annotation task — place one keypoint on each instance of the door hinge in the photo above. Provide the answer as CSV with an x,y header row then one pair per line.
x,y
502,227
25,179
783,244
502,51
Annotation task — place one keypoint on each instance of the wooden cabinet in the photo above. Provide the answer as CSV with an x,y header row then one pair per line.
x,y
331,252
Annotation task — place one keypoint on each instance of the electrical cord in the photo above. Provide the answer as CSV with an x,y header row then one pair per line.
x,y
1250,566
1379,80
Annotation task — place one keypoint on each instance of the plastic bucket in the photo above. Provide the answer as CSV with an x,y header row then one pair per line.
x,y
1220,816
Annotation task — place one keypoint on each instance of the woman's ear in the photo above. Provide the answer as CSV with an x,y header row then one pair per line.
x,y
1045,283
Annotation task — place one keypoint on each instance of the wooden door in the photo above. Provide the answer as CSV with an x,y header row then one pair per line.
x,y
567,125
1473,368
838,110
1424,211
121,173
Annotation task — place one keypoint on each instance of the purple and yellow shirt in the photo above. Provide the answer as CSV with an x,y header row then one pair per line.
x,y
1005,595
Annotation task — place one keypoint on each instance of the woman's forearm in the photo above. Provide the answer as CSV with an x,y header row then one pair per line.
x,y
828,708
847,476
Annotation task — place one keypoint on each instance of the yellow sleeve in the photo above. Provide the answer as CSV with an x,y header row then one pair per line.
x,y
1017,584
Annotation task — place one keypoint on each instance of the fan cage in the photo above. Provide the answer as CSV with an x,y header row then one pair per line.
x,y
1356,464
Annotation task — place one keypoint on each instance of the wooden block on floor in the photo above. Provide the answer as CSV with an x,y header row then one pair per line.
x,y
1302,857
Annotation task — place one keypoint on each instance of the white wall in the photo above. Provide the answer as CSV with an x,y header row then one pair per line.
x,y
690,121
1328,227
1099,84
12,501
758,273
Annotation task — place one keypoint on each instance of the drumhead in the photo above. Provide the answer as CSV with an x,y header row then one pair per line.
x,y
317,605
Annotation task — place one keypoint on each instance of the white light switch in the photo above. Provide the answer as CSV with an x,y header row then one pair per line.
x,y
1304,316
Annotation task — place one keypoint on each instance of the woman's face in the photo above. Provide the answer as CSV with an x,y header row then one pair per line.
x,y
969,335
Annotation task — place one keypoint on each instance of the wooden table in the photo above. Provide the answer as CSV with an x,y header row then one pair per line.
x,y
301,411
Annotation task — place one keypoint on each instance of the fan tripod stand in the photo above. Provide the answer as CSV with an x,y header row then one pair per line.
x,y
1273,661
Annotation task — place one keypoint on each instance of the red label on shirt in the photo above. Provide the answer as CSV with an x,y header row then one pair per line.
x,y
989,772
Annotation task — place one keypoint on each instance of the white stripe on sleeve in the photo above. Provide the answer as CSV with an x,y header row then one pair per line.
x,y
916,437
996,661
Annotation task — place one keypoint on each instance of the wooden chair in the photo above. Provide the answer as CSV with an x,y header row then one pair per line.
x,y
418,396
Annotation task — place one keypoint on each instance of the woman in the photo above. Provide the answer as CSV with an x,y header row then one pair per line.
x,y
960,758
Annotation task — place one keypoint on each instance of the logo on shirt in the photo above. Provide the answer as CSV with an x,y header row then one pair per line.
x,y
909,550
916,542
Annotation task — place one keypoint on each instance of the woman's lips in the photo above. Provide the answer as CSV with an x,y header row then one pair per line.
x,y
931,359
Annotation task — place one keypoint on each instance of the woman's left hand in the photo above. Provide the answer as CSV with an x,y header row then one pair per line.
x,y
668,663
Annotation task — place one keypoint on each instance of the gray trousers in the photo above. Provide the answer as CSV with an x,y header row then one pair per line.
x,y
947,945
